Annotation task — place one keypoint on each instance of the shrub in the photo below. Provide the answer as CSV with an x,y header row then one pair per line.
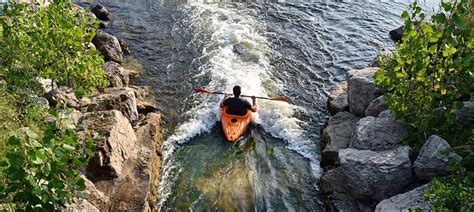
x,y
431,75
49,42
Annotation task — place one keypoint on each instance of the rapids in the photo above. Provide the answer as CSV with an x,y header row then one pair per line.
x,y
297,49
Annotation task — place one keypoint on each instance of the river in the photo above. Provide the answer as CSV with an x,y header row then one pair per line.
x,y
296,49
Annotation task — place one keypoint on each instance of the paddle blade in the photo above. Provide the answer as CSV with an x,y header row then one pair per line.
x,y
283,99
201,90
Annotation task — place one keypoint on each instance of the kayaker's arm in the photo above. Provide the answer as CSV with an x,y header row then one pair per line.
x,y
254,105
222,102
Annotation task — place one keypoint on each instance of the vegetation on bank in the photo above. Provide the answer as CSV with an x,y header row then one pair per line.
x,y
40,149
430,82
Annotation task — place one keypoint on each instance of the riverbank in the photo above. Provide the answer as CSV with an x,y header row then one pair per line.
x,y
367,164
124,172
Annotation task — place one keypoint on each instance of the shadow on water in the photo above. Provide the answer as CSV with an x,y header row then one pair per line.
x,y
255,173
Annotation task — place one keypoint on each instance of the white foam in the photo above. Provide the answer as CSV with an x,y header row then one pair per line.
x,y
236,55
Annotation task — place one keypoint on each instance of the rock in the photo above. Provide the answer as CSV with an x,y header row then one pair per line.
x,y
337,197
337,100
116,74
141,91
82,206
109,46
433,158
47,85
404,202
361,89
376,107
93,195
104,24
137,190
42,101
124,45
376,134
387,114
145,107
64,95
396,34
121,99
337,135
116,144
101,12
376,175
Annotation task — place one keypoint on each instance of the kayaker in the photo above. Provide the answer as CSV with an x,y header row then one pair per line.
x,y
236,105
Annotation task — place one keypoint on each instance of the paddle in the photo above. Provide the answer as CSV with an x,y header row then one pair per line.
x,y
202,90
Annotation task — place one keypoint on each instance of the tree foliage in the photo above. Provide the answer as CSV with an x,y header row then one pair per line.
x,y
431,75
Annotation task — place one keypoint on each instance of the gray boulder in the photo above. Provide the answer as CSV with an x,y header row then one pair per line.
x,y
337,100
109,46
396,34
376,134
337,135
116,74
409,200
387,114
101,12
433,158
361,89
121,99
115,145
333,185
376,175
376,107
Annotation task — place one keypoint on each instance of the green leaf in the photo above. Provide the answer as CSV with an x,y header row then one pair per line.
x,y
439,18
3,163
447,6
459,21
405,15
68,147
14,141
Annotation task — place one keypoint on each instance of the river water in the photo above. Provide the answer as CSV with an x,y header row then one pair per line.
x,y
296,49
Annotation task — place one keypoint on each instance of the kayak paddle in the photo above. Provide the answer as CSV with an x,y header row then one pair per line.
x,y
202,90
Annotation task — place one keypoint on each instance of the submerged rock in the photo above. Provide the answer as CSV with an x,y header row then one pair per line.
x,y
361,89
337,100
109,46
113,148
116,74
376,175
376,134
376,107
410,200
337,135
433,158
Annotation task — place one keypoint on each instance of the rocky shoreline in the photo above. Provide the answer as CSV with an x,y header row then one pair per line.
x,y
366,165
124,173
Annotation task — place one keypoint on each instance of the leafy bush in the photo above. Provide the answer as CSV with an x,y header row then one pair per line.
x,y
40,150
40,171
49,42
431,74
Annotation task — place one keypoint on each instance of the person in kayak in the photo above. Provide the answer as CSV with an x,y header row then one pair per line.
x,y
236,105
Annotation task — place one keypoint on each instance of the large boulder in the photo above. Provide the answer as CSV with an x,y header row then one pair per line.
x,y
361,89
403,202
121,99
137,190
65,96
337,100
116,143
376,134
336,136
81,206
376,107
376,175
101,12
109,46
333,185
116,74
433,158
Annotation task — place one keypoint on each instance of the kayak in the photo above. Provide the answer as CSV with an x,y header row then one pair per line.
x,y
234,126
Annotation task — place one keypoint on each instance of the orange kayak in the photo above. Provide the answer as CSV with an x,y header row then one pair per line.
x,y
234,126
